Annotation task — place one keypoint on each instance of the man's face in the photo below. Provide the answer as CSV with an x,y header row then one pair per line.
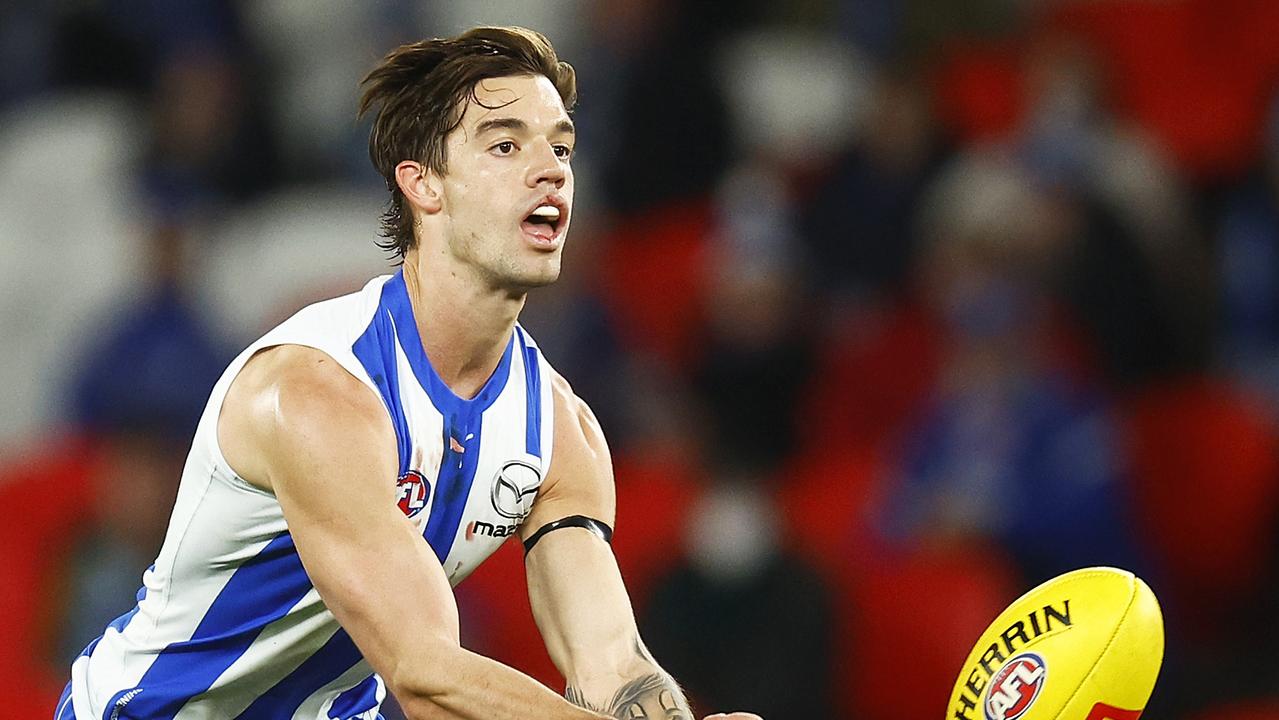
x,y
508,189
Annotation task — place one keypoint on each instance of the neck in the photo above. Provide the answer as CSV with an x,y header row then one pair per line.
x,y
463,322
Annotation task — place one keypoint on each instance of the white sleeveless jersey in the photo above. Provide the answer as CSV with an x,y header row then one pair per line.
x,y
228,625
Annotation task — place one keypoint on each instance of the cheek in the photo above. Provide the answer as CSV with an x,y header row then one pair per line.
x,y
471,202
484,190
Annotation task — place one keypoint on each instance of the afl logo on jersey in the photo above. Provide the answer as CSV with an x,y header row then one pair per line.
x,y
514,489
412,492
1015,687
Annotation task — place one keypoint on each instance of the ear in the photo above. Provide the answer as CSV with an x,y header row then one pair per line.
x,y
420,186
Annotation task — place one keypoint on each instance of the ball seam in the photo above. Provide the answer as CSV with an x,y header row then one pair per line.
x,y
1132,597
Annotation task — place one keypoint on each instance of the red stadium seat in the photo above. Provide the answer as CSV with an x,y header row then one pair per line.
x,y
870,379
51,492
917,616
1161,62
654,495
826,499
654,272
1164,61
1205,464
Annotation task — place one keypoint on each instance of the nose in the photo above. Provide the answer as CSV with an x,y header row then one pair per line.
x,y
544,166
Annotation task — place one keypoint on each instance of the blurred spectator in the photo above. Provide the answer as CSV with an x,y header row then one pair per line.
x,y
209,146
1011,447
151,366
126,44
750,295
309,59
1135,276
140,390
187,65
26,52
858,223
793,96
68,209
1248,262
740,622
673,148
96,495
755,352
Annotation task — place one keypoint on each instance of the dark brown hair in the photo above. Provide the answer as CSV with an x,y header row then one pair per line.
x,y
420,92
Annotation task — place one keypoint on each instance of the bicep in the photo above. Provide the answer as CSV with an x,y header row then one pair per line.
x,y
581,474
365,558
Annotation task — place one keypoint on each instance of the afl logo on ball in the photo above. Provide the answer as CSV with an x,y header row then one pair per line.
x,y
1014,688
412,492
514,489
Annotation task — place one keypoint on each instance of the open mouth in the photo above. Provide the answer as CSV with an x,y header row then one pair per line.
x,y
544,222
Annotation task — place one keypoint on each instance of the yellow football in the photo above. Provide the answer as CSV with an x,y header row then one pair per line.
x,y
1086,645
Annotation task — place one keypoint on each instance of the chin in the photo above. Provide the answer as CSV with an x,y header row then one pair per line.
x,y
532,278
543,279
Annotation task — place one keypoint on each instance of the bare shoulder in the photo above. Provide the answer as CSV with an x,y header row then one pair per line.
x,y
580,481
296,399
576,428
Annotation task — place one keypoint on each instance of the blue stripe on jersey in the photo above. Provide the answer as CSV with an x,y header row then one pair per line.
x,y
462,418
533,390
259,592
120,623
395,298
453,487
375,349
327,664
63,710
356,701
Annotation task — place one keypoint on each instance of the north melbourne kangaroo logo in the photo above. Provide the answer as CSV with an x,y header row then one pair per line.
x,y
514,489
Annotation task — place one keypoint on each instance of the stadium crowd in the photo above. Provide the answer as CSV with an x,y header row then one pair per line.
x,y
891,309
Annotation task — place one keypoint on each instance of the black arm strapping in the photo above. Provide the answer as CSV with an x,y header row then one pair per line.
x,y
604,532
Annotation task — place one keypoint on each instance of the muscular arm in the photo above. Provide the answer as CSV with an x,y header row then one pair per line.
x,y
298,425
583,612
576,592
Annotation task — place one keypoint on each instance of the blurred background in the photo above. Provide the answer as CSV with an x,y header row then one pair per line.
x,y
891,309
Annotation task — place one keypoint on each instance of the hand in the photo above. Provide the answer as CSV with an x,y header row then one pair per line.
x,y
734,716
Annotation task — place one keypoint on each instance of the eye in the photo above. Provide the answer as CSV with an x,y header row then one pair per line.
x,y
563,152
506,147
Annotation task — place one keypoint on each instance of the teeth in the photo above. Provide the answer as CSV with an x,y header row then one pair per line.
x,y
550,212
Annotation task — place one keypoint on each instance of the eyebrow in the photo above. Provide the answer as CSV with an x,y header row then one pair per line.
x,y
564,126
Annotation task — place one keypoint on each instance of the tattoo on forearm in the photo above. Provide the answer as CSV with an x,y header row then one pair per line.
x,y
651,697
574,696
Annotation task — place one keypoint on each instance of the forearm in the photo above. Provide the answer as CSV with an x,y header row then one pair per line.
x,y
582,609
644,691
470,686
